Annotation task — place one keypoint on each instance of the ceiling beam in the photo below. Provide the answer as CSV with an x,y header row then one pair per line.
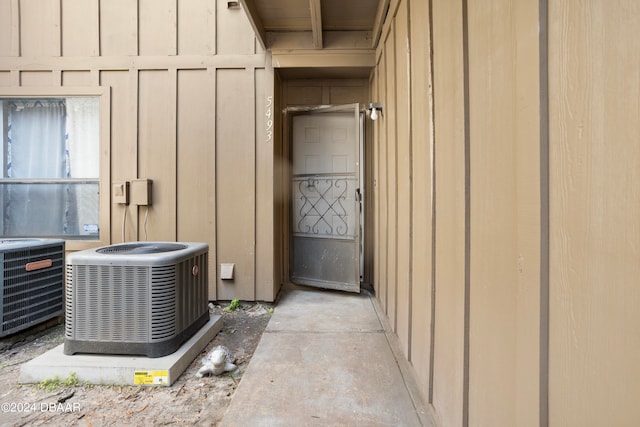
x,y
381,14
365,58
316,22
296,40
249,7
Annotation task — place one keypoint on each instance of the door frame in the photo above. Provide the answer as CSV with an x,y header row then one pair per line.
x,y
288,114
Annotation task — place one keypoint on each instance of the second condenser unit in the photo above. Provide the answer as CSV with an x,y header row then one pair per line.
x,y
32,282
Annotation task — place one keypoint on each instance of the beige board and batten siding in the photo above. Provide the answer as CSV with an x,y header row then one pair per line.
x,y
391,179
504,213
594,150
481,329
189,89
404,176
527,301
447,388
421,197
401,178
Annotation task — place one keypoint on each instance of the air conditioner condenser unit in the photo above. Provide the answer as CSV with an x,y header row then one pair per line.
x,y
143,298
32,279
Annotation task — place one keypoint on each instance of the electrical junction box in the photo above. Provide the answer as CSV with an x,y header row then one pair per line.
x,y
141,192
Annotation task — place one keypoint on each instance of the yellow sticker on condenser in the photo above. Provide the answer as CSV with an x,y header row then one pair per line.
x,y
151,377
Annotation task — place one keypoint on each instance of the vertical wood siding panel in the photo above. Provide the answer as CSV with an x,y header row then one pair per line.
x,y
368,212
421,193
235,181
16,49
105,164
196,162
80,25
375,148
123,148
157,153
403,142
493,214
392,179
280,179
234,32
40,27
157,27
450,212
6,30
382,278
9,24
526,33
369,199
594,92
213,250
196,27
172,28
265,125
118,27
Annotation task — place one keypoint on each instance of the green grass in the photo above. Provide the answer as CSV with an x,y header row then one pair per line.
x,y
233,305
51,384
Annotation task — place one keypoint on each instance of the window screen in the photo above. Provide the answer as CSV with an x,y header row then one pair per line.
x,y
50,167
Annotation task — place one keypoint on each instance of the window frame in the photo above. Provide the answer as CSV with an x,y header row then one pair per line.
x,y
104,95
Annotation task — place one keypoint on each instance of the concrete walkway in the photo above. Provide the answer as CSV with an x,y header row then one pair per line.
x,y
326,360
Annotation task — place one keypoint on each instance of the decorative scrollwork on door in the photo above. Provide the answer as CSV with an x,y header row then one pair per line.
x,y
321,206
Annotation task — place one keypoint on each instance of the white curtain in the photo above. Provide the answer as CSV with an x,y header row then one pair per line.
x,y
83,133
36,149
83,144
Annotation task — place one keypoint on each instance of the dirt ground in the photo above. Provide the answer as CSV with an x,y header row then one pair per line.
x,y
189,401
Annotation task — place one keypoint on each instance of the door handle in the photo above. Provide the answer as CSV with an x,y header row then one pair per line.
x,y
358,195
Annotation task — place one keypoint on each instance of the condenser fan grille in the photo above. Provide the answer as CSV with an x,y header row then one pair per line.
x,y
112,304
163,307
141,248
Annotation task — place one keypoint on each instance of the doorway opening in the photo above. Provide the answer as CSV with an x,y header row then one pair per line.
x,y
326,197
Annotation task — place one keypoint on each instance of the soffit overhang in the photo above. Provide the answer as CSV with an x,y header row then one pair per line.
x,y
318,33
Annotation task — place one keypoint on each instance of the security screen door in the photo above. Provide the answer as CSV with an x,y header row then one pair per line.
x,y
326,198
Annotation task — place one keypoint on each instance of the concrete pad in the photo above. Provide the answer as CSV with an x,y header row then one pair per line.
x,y
339,379
324,359
120,370
322,311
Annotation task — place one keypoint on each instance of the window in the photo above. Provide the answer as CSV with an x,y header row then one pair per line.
x,y
50,167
